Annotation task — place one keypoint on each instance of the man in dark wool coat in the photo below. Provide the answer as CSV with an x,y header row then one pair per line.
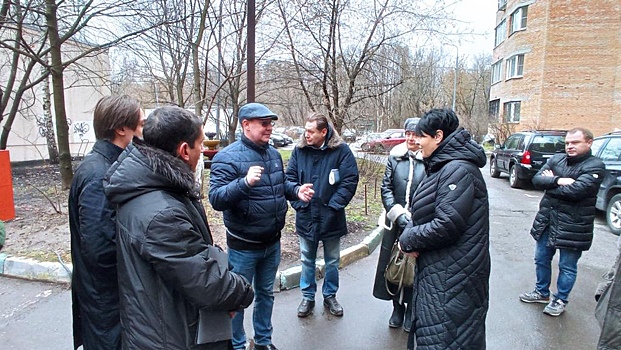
x,y
449,235
94,286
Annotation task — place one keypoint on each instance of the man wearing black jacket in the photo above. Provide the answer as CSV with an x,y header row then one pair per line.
x,y
322,159
565,218
176,288
94,286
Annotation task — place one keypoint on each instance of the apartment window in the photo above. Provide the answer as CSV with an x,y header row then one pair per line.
x,y
502,4
501,32
494,109
515,66
496,72
518,19
512,111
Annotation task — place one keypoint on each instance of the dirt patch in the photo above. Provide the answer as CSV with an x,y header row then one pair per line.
x,y
40,229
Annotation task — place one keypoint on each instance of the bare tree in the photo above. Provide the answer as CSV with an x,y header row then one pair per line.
x,y
334,42
472,95
32,30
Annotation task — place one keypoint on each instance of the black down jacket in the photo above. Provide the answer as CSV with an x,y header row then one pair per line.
x,y
253,216
450,230
568,211
94,286
176,289
323,218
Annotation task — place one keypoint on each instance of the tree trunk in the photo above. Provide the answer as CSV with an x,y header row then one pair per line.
x,y
58,88
48,125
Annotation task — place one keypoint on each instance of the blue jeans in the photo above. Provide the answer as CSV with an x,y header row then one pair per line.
x,y
568,268
259,267
332,258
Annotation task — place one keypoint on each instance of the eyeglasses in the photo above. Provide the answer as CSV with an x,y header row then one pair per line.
x,y
267,123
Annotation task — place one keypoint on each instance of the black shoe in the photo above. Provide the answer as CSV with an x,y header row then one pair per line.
x,y
306,307
264,347
396,319
335,308
407,324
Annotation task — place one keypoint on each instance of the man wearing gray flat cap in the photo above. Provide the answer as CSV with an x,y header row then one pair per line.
x,y
248,185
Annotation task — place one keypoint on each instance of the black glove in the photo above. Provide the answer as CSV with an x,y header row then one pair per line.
x,y
403,220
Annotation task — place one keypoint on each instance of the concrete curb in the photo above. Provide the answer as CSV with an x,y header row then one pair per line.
x,y
34,270
290,278
56,272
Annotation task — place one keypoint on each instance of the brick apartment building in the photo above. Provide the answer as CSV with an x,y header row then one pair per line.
x,y
557,64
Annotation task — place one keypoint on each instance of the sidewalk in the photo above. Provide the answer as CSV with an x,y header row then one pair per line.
x,y
287,279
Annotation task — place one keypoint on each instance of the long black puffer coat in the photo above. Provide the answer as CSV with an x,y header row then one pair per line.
x,y
450,230
568,211
401,178
175,286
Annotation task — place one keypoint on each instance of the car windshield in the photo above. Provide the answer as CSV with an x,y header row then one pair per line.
x,y
548,143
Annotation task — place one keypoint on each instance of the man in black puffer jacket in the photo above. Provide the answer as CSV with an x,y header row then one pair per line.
x,y
449,233
175,287
565,217
248,184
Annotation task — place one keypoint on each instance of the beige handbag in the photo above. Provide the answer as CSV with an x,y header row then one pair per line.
x,y
399,271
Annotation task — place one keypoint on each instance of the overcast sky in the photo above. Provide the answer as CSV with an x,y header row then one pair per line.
x,y
481,16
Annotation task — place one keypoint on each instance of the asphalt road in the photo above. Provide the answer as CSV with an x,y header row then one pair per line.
x,y
38,316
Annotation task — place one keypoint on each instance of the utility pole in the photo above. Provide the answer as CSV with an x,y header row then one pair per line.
x,y
455,78
219,74
251,53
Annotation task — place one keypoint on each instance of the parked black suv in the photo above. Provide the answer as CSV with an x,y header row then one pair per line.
x,y
524,153
608,148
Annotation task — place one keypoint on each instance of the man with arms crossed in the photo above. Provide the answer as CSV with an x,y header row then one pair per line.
x,y
565,218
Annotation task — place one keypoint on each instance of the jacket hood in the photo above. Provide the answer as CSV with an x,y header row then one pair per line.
x,y
141,169
457,146
333,140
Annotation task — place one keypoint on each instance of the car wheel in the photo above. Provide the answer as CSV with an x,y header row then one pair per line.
x,y
613,214
365,147
514,182
379,148
493,171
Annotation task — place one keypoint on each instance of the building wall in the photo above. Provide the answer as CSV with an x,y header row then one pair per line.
x,y
83,88
572,68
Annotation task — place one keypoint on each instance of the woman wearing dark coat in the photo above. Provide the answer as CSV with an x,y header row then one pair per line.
x,y
449,235
404,171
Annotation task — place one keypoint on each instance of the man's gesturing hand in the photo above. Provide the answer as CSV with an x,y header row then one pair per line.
x,y
306,192
254,175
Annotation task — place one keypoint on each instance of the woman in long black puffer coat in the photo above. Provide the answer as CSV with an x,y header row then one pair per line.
x,y
404,171
449,235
